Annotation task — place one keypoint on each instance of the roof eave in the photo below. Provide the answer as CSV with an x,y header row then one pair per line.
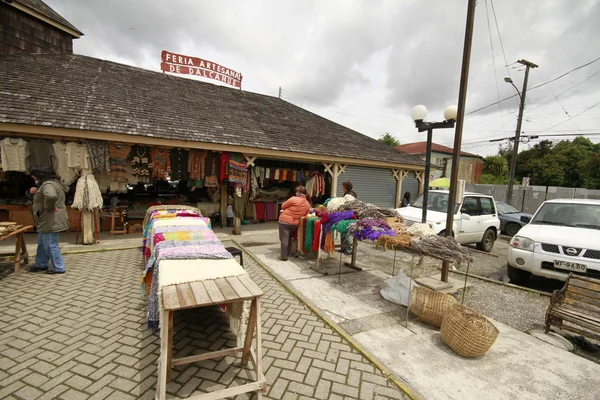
x,y
73,32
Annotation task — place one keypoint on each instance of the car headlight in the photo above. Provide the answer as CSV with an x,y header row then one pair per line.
x,y
523,243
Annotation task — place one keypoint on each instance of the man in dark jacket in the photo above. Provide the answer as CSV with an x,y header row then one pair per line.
x,y
50,217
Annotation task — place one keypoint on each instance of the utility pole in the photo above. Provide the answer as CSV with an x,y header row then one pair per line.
x,y
279,91
460,121
513,160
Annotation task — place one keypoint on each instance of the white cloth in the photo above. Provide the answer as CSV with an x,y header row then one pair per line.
x,y
13,154
67,175
77,156
102,180
177,222
174,272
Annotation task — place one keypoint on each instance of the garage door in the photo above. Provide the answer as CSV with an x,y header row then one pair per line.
x,y
410,184
372,185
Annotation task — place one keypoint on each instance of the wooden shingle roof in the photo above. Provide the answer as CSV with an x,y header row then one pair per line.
x,y
80,92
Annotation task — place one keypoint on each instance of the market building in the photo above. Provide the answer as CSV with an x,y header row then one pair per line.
x,y
469,170
151,137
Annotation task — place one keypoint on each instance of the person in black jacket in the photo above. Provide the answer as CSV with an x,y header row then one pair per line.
x,y
347,239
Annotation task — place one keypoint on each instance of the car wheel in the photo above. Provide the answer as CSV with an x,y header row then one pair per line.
x,y
487,243
517,275
512,229
443,233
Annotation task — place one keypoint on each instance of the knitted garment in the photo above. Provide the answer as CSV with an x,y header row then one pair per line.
x,y
39,152
310,233
77,156
161,165
118,154
171,222
66,174
183,236
139,157
98,155
148,243
196,164
315,242
213,250
13,154
179,160
238,170
87,194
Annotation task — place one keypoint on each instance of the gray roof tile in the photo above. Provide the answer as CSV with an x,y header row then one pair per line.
x,y
80,92
47,11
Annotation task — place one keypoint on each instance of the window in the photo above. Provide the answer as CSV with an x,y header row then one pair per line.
x,y
487,206
470,206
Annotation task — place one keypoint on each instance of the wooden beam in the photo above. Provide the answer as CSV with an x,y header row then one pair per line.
x,y
250,160
328,168
45,132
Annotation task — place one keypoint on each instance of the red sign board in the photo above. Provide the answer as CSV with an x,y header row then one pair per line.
x,y
181,64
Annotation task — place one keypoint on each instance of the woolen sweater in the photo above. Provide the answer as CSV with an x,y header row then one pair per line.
x,y
294,209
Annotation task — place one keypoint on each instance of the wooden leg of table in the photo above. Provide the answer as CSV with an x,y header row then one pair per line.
x,y
18,252
258,361
169,344
250,331
112,224
24,252
161,383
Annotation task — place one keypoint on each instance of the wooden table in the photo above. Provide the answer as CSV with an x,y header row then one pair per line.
x,y
209,293
20,246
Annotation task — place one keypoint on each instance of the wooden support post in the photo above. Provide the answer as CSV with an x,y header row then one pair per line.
x,y
419,175
399,174
237,226
87,226
334,169
223,206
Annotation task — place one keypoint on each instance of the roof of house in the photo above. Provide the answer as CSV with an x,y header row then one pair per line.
x,y
418,148
42,8
80,92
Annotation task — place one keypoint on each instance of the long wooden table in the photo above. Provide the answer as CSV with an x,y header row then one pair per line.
x,y
203,294
20,245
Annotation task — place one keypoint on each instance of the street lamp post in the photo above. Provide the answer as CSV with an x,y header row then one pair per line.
x,y
418,115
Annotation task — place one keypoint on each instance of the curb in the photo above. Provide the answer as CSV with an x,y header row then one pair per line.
x,y
101,250
510,285
384,370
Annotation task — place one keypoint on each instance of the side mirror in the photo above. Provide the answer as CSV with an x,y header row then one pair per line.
x,y
525,219
466,217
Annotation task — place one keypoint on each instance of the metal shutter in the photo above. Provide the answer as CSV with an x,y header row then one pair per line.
x,y
372,185
410,184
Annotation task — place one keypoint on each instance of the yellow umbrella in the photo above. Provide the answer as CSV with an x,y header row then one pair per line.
x,y
440,182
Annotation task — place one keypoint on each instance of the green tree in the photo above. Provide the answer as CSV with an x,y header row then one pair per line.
x,y
389,140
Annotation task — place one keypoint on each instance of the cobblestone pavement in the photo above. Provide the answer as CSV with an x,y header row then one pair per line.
x,y
83,335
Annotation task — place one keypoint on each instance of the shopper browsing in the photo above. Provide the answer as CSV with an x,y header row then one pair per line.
x,y
292,210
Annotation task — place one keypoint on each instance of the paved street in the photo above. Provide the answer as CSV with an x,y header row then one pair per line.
x,y
83,336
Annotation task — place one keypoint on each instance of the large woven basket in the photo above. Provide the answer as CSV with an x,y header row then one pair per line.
x,y
430,306
467,332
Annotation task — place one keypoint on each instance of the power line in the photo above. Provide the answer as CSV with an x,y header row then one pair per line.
x,y
494,59
575,116
568,90
499,36
534,87
558,101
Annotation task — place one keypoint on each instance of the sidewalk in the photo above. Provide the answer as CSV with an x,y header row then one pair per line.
x,y
83,335
518,366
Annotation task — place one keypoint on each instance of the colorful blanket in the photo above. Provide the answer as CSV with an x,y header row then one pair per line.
x,y
178,232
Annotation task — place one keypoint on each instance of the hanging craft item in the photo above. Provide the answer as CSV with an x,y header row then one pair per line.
x,y
161,166
13,154
238,170
179,164
196,164
87,194
66,174
98,155
140,161
118,153
39,152
77,156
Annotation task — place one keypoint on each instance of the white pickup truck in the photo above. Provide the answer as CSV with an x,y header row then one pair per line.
x,y
562,237
475,220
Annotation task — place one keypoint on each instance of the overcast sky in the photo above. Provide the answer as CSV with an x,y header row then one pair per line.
x,y
365,64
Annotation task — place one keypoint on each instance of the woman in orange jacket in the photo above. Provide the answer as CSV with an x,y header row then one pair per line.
x,y
293,209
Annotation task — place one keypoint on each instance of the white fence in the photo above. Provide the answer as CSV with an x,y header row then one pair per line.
x,y
528,199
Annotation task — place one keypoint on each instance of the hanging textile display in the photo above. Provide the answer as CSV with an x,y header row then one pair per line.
x,y
118,153
238,170
39,152
77,156
179,159
98,155
140,162
211,179
161,166
13,154
87,194
67,175
196,168
224,170
315,185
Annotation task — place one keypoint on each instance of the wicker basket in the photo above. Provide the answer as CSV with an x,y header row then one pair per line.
x,y
467,332
430,306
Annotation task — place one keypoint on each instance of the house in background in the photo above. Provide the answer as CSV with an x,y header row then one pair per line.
x,y
470,166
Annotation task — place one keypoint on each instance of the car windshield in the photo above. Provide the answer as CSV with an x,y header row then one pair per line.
x,y
506,208
574,215
437,201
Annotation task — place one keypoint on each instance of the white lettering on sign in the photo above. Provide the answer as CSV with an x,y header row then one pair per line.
x,y
212,70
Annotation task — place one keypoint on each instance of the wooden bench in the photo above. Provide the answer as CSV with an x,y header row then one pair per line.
x,y
209,293
578,304
20,253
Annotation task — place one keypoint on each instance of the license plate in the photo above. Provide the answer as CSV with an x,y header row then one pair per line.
x,y
570,266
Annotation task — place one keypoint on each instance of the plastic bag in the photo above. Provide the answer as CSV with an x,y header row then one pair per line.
x,y
397,289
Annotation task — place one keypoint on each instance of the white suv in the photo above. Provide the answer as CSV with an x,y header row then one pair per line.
x,y
475,220
562,237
